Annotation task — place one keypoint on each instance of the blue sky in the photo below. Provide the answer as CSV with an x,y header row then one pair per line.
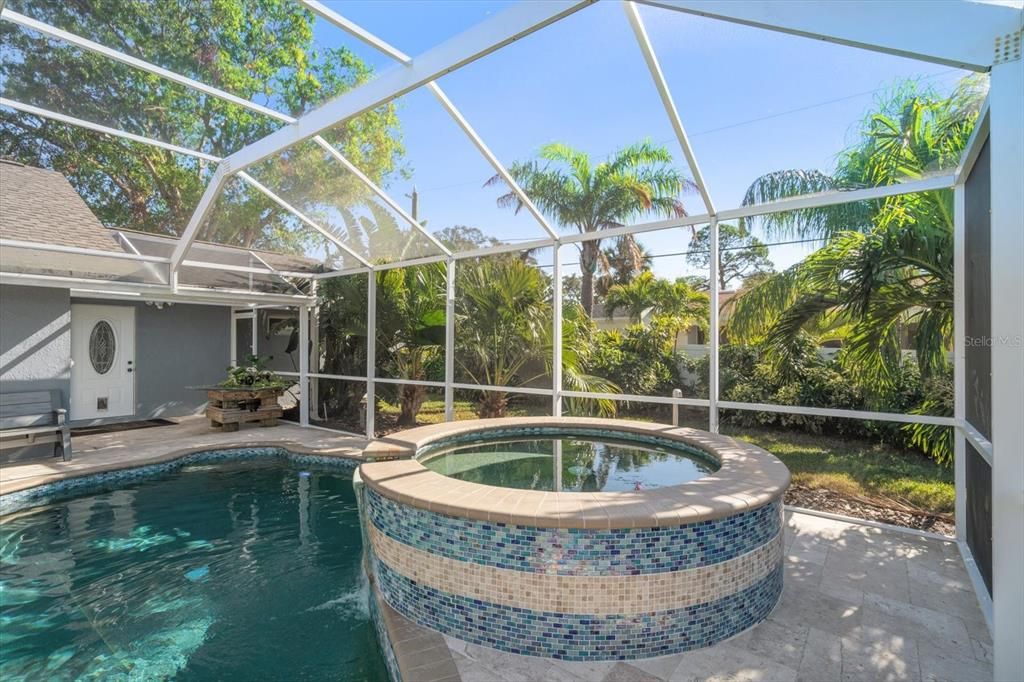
x,y
752,102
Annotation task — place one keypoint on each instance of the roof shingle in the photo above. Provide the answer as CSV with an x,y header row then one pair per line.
x,y
38,205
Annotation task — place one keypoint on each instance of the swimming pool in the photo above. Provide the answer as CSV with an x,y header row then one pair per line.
x,y
210,570
569,463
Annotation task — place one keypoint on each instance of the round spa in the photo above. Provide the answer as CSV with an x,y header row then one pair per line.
x,y
575,538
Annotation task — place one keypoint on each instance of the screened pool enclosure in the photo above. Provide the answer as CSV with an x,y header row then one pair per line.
x,y
406,203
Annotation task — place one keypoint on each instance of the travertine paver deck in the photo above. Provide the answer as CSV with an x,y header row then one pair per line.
x,y
120,449
860,603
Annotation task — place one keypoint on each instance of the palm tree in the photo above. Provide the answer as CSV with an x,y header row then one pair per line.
x,y
913,132
589,197
410,329
887,264
505,328
621,263
676,305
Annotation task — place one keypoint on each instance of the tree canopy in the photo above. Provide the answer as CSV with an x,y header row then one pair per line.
x,y
261,50
741,255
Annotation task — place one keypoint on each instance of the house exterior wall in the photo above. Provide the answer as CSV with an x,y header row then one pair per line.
x,y
35,339
35,347
176,347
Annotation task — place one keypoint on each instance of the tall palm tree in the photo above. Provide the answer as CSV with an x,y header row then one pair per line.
x,y
581,195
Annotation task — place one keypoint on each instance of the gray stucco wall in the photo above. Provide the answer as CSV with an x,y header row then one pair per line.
x,y
35,347
35,339
177,347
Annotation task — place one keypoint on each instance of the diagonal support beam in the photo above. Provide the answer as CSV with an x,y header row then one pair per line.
x,y
134,62
666,99
70,120
89,45
491,158
479,41
359,32
355,30
96,127
199,215
384,196
333,238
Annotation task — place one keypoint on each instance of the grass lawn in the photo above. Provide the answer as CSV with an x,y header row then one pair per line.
x,y
849,466
852,466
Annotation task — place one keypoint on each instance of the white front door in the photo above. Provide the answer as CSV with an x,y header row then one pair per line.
x,y
102,361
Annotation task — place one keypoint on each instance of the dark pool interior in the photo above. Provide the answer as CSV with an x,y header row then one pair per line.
x,y
240,571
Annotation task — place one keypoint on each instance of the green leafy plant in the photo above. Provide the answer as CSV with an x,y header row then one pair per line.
x,y
253,375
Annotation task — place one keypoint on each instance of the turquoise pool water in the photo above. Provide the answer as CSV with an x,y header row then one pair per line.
x,y
585,464
240,571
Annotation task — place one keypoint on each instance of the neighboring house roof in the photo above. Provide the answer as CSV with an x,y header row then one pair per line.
x,y
38,205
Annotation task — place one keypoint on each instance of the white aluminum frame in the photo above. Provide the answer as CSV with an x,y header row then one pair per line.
x,y
957,34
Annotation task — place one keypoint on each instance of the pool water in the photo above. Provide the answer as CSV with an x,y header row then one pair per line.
x,y
244,571
587,464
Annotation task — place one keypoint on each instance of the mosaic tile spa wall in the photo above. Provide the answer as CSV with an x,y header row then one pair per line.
x,y
578,594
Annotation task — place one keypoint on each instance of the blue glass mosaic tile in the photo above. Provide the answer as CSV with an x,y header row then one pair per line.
x,y
576,551
581,637
91,483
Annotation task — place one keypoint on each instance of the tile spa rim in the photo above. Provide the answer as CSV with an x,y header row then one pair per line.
x,y
56,490
748,477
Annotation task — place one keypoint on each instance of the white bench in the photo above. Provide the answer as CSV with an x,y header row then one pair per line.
x,y
32,418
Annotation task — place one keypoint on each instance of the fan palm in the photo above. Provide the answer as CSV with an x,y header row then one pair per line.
x,y
579,194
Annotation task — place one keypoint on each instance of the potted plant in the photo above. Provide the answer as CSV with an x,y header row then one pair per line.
x,y
249,394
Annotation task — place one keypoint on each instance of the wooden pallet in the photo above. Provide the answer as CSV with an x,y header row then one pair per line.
x,y
230,407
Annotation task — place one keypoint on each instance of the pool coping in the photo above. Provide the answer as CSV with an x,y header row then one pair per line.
x,y
9,487
748,477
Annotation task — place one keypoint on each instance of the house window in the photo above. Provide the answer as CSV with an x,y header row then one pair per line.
x,y
102,347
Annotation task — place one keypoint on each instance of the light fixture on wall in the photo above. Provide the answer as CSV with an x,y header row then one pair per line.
x,y
160,304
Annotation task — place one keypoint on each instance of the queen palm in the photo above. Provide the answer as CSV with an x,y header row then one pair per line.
x,y
566,184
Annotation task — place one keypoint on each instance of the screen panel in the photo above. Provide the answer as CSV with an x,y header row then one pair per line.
x,y
978,295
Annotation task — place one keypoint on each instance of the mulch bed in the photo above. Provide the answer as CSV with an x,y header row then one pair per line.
x,y
881,511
